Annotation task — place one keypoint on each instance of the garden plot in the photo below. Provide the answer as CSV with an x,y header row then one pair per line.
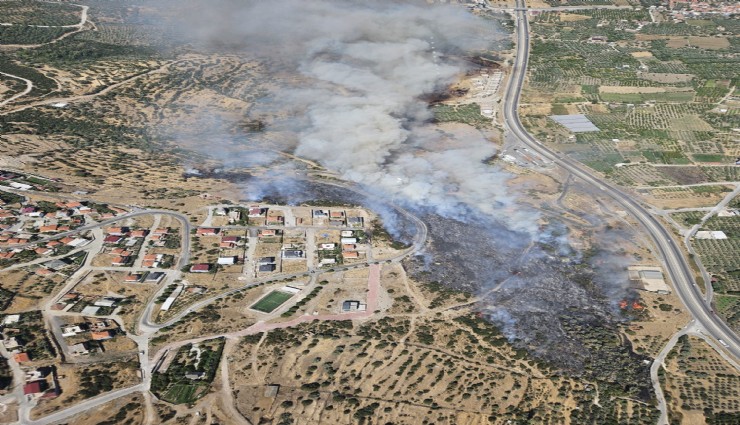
x,y
720,258
699,382
641,175
722,174
666,78
631,94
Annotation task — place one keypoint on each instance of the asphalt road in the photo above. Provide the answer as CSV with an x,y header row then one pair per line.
x,y
676,265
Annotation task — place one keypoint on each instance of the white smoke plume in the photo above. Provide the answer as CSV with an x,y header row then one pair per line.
x,y
362,69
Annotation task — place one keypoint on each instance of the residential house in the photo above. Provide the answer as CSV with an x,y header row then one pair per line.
x,y
120,261
79,349
227,260
206,231
256,212
154,277
152,260
101,335
35,387
106,302
21,357
141,233
118,231
132,278
200,268
292,254
112,239
263,268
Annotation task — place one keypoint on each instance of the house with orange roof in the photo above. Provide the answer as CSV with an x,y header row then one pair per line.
x,y
120,261
132,277
101,335
206,231
152,260
21,357
44,272
48,228
7,255
350,254
120,251
42,250
141,233
117,231
112,239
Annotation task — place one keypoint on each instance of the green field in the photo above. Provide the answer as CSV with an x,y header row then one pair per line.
x,y
184,392
271,301
680,96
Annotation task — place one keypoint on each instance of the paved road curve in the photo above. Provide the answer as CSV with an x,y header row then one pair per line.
x,y
676,265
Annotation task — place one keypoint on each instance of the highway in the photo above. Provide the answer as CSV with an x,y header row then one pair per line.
x,y
668,250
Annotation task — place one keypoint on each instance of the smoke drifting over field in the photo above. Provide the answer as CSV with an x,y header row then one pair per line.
x,y
363,68
353,76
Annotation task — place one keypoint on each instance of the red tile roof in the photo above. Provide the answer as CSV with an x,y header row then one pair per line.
x,y
32,388
22,357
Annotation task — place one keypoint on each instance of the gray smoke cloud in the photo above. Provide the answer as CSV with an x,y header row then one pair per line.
x,y
361,70
350,79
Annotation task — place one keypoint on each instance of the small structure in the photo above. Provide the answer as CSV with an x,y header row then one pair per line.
x,y
257,212
264,268
68,331
353,305
35,387
650,278
355,221
105,302
350,254
227,260
79,349
21,357
90,310
206,231
101,335
112,239
292,254
11,318
154,277
320,213
194,376
200,268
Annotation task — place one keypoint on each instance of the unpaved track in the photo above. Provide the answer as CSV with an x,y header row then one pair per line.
x,y
29,87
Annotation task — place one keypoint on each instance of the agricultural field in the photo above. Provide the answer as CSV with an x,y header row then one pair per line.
x,y
659,93
700,386
468,114
29,12
720,257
